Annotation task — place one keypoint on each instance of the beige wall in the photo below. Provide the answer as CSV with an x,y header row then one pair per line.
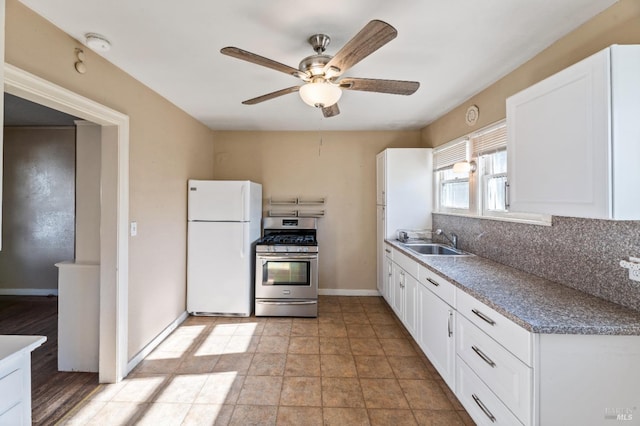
x,y
337,165
620,24
166,148
38,207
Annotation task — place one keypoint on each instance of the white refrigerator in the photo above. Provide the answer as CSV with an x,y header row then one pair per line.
x,y
223,225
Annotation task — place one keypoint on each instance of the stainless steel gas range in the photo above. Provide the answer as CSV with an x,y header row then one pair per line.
x,y
287,268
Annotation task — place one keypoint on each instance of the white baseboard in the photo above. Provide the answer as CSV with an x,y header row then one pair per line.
x,y
28,291
137,359
346,292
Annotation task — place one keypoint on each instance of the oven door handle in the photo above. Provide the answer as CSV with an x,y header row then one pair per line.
x,y
266,258
293,302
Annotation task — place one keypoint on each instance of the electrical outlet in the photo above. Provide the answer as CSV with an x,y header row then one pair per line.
x,y
634,273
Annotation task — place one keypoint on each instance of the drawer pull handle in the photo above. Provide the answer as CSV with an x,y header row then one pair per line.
x,y
449,325
483,317
433,282
387,250
484,409
484,357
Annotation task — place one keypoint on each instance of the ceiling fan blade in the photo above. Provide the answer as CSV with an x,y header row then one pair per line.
x,y
331,111
271,95
372,37
265,62
396,87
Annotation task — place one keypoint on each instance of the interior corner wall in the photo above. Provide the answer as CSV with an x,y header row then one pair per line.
x,y
167,147
38,217
615,25
340,166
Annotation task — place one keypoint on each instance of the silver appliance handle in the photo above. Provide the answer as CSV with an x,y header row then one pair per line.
x,y
293,302
266,258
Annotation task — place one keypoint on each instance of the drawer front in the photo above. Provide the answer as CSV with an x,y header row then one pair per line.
x,y
11,390
481,404
14,416
510,335
406,263
440,286
508,377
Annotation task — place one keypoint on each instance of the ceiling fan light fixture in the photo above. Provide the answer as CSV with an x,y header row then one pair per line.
x,y
320,94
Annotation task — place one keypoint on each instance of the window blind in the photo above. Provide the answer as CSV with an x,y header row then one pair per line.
x,y
448,155
490,140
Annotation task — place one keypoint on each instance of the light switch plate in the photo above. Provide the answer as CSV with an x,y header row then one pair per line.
x,y
134,229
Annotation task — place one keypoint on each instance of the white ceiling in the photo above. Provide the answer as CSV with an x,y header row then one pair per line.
x,y
453,48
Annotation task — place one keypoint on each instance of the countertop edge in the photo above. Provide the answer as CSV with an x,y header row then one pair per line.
x,y
533,326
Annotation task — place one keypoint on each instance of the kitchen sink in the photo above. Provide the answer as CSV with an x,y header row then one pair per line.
x,y
433,249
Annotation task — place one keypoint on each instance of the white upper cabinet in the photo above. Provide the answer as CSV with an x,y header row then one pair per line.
x,y
574,140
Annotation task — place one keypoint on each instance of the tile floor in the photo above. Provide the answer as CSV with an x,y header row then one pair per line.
x,y
353,365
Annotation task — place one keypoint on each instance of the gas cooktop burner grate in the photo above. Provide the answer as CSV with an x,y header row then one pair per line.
x,y
292,239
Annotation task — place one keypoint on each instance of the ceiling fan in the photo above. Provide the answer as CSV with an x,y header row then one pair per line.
x,y
321,73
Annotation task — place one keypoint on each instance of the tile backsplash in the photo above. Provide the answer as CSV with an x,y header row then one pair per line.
x,y
579,253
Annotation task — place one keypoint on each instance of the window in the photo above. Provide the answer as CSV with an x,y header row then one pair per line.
x,y
483,193
453,192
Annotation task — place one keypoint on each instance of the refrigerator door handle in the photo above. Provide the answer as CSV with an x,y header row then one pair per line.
x,y
243,197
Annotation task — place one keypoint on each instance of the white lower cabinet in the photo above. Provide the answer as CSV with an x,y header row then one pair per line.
x,y
502,373
436,333
480,402
410,290
387,275
509,378
404,287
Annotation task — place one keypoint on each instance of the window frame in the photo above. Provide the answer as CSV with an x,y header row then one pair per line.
x,y
478,186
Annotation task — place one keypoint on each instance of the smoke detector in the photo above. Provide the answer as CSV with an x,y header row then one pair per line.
x,y
97,42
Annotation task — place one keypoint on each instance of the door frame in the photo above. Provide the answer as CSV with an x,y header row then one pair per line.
x,y
114,209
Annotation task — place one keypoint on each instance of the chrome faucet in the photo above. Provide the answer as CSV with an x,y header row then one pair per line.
x,y
453,240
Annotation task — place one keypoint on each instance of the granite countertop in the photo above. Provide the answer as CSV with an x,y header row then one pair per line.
x,y
534,303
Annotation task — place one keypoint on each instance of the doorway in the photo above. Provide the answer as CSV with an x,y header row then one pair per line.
x,y
114,208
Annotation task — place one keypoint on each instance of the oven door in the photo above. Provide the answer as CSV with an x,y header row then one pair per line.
x,y
286,276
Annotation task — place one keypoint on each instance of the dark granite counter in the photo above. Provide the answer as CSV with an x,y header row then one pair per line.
x,y
534,303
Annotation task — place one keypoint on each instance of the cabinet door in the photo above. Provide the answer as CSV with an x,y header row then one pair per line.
x,y
387,276
410,291
398,290
435,333
381,179
380,247
558,142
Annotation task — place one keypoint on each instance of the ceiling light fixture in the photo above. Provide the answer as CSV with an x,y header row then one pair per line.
x,y
97,42
320,94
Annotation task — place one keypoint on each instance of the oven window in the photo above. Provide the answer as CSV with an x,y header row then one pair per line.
x,y
286,273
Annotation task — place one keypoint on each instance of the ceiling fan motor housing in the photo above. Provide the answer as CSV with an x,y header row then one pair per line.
x,y
314,64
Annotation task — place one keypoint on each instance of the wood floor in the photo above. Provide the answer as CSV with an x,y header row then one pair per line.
x,y
53,393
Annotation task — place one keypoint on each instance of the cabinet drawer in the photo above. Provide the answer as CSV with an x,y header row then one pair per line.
x,y
10,390
481,404
510,335
508,377
406,263
440,286
13,416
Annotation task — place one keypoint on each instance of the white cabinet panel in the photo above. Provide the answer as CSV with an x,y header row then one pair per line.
x,y
410,308
481,404
510,335
508,377
398,290
436,333
572,139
